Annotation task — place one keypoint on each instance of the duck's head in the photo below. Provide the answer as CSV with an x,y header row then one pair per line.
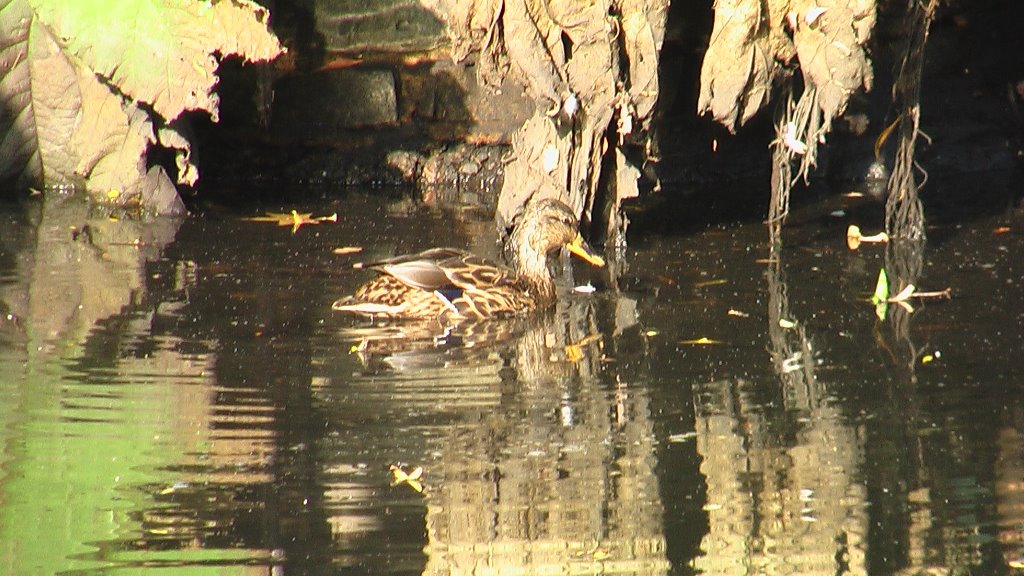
x,y
544,227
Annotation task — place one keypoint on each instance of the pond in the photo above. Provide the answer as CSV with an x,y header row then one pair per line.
x,y
181,399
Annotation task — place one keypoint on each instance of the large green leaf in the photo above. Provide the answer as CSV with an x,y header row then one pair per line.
x,y
18,144
56,97
161,51
66,127
79,82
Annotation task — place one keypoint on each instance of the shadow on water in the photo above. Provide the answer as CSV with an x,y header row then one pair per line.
x,y
180,396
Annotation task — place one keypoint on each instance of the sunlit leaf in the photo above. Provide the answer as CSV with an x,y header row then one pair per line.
x,y
574,352
880,141
854,237
400,476
737,313
293,219
903,294
786,323
161,51
347,250
84,81
685,436
927,359
881,289
703,341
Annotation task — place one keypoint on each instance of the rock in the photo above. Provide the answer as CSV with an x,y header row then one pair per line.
x,y
321,105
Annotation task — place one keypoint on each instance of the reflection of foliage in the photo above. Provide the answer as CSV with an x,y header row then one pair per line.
x,y
91,84
789,345
904,216
904,262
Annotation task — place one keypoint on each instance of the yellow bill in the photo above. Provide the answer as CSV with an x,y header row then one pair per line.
x,y
580,248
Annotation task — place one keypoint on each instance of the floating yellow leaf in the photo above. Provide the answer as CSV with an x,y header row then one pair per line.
x,y
399,476
293,219
347,250
854,237
784,323
113,194
927,359
574,352
703,341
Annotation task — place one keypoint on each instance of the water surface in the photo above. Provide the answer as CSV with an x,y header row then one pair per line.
x,y
180,399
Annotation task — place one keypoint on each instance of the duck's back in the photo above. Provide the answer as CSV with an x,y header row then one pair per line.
x,y
439,283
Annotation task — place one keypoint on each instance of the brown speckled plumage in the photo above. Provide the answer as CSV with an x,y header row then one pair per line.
x,y
451,283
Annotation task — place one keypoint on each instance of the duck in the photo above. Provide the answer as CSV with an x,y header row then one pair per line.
x,y
453,284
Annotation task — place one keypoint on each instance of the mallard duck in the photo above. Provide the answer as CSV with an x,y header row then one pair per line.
x,y
447,283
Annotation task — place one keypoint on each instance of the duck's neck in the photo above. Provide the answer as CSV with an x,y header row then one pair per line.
x,y
530,265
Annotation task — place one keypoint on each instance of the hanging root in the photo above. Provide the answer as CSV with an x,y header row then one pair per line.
x,y
904,214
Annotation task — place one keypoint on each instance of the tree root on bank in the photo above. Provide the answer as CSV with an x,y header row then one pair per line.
x,y
592,69
754,47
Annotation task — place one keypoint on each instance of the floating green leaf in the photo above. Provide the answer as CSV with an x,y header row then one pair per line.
x,y
881,294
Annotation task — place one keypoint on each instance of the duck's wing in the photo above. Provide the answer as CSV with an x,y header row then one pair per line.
x,y
431,255
474,273
446,270
438,282
424,270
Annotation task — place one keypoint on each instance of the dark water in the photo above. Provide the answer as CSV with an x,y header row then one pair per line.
x,y
179,398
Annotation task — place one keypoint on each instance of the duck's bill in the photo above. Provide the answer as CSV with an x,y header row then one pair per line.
x,y
580,248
